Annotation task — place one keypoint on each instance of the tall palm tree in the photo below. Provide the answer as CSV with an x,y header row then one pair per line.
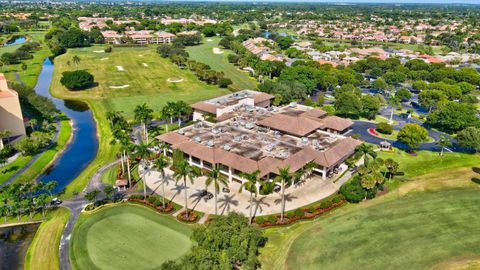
x,y
126,147
366,150
161,163
216,178
143,152
76,59
184,171
181,108
285,178
443,142
143,113
394,101
250,184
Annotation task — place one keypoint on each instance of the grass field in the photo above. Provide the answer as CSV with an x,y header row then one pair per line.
x,y
430,221
144,72
30,75
41,164
42,253
146,84
8,170
204,53
127,237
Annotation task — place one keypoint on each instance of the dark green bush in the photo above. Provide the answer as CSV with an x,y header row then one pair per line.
x,y
77,79
260,220
384,128
272,219
299,212
325,204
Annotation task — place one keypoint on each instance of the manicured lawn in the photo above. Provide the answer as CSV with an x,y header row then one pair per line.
x,y
204,53
414,232
145,83
109,176
43,251
43,161
30,75
127,237
426,162
406,229
8,170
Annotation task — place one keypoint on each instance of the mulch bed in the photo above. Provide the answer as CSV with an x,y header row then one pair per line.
x,y
307,215
167,209
192,216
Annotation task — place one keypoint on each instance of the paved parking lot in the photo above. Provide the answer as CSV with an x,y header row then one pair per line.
x,y
312,190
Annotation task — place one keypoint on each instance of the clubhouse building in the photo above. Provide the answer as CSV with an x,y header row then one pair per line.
x,y
11,117
244,133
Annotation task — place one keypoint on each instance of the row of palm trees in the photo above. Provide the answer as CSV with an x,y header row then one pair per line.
x,y
144,114
26,199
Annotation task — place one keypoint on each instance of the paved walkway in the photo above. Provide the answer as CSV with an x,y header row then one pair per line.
x,y
76,205
311,191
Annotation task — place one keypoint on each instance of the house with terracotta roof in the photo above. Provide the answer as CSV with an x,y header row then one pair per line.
x,y
249,135
11,117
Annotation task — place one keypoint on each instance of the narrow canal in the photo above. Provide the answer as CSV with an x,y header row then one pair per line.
x,y
84,144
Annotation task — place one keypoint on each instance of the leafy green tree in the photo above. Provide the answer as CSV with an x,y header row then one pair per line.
x,y
348,104
412,135
108,191
91,196
428,99
403,94
370,106
453,117
469,138
392,167
77,79
305,75
380,84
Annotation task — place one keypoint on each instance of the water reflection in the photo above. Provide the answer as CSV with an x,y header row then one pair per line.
x,y
14,242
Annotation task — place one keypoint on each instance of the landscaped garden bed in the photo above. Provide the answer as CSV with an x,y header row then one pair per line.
x,y
306,212
191,217
154,202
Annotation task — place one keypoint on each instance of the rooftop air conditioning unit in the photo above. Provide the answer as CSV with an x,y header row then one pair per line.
x,y
227,147
197,139
210,143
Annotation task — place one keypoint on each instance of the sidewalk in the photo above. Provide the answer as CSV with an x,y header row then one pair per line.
x,y
312,190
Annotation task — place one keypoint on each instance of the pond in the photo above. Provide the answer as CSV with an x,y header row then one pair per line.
x,y
83,146
15,40
14,242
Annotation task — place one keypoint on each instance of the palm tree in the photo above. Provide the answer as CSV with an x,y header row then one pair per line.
x,y
392,167
366,150
33,123
393,101
250,184
184,171
161,163
126,146
216,178
143,113
285,178
143,152
50,186
76,59
443,142
181,108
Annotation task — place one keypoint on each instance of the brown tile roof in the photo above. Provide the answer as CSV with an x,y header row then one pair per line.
x,y
299,126
314,113
336,123
172,138
205,107
334,155
261,97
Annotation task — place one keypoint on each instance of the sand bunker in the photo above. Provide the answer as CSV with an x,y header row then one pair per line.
x,y
145,64
106,58
141,55
209,40
217,51
120,68
175,80
100,51
121,86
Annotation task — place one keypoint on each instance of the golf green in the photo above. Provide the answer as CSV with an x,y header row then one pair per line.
x,y
418,231
127,237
